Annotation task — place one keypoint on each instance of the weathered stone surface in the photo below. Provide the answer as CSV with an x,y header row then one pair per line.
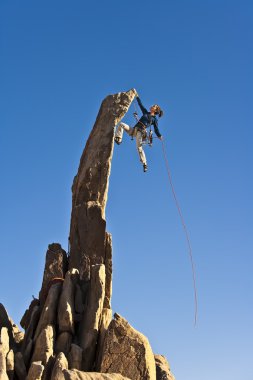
x,y
44,345
104,324
4,348
19,365
90,323
49,312
63,343
127,351
3,375
79,304
75,357
84,269
27,352
163,371
60,364
35,371
35,315
16,334
90,187
25,321
66,308
10,364
78,375
5,321
4,318
48,368
108,270
55,267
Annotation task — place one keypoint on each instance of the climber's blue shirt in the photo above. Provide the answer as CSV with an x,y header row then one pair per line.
x,y
147,119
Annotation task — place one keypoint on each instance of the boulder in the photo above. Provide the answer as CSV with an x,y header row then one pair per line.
x,y
63,343
104,324
91,320
78,375
44,346
10,364
25,321
49,312
55,267
31,327
5,321
163,371
35,371
75,357
127,351
66,308
4,349
60,364
90,186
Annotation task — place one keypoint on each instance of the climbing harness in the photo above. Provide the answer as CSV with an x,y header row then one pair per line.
x,y
185,231
149,140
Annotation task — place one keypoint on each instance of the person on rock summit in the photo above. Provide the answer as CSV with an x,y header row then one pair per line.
x,y
139,130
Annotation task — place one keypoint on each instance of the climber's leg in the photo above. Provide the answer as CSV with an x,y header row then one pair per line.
x,y
119,132
140,149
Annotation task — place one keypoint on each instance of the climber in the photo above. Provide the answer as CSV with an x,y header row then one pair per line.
x,y
139,130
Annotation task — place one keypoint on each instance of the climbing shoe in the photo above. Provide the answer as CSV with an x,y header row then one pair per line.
x,y
145,167
117,140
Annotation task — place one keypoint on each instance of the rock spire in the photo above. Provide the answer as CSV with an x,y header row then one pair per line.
x,y
69,330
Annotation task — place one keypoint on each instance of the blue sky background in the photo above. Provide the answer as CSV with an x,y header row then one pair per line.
x,y
58,60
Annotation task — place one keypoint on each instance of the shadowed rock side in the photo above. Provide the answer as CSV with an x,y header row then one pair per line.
x,y
69,331
163,371
90,187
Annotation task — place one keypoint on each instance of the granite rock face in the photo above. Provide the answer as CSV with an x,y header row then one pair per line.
x,y
55,267
90,187
35,371
77,375
69,331
163,371
127,351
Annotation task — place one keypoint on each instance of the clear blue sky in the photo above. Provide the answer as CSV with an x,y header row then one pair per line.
x,y
58,60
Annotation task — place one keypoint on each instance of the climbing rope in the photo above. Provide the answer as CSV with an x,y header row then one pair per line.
x,y
181,218
185,230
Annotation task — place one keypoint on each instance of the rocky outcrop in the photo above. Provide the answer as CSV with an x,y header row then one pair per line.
x,y
127,351
35,371
75,357
15,335
20,368
4,349
90,324
90,187
69,331
60,364
55,268
44,346
66,308
163,371
77,375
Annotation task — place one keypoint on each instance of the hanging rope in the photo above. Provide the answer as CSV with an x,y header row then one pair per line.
x,y
185,230
182,221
